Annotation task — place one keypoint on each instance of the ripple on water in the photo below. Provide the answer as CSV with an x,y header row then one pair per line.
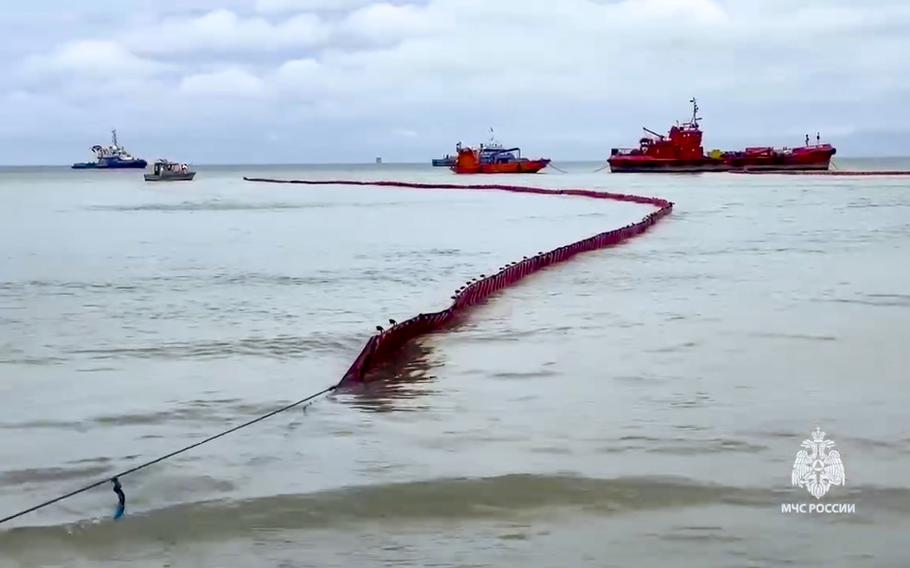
x,y
473,335
523,375
223,205
279,347
507,497
798,336
878,300
674,348
448,498
196,280
690,444
193,411
42,424
51,474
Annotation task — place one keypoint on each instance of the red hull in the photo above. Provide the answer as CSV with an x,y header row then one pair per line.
x,y
809,158
523,167
647,164
768,159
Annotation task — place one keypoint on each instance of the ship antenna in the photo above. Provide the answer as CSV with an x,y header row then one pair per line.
x,y
114,136
694,111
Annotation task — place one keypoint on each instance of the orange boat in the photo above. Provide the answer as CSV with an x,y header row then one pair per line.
x,y
494,159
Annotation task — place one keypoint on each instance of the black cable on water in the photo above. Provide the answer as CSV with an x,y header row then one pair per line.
x,y
115,478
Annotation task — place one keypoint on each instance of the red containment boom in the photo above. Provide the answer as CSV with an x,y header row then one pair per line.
x,y
382,346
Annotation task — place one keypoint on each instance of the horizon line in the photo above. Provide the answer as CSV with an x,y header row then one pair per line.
x,y
409,163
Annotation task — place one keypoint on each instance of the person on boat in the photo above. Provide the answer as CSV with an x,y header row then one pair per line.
x,y
807,139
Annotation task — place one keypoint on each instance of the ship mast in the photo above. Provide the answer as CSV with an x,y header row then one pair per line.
x,y
695,118
114,137
493,142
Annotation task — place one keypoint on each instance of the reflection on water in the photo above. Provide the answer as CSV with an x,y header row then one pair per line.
x,y
400,384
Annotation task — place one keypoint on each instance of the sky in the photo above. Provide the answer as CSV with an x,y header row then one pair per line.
x,y
316,81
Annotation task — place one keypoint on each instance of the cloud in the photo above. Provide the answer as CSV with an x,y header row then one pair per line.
x,y
699,11
285,6
405,133
574,76
225,31
531,49
390,23
621,51
91,58
306,79
225,83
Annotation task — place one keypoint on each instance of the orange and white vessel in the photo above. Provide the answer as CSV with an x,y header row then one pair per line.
x,y
493,158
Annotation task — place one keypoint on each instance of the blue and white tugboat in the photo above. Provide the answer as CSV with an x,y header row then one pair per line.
x,y
114,156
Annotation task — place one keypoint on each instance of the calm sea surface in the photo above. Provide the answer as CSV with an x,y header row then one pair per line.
x,y
638,406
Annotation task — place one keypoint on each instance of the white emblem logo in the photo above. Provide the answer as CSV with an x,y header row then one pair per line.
x,y
818,466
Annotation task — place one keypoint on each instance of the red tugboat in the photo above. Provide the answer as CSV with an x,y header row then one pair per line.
x,y
494,159
681,151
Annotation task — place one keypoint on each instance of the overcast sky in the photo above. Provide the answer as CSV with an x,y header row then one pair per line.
x,y
296,81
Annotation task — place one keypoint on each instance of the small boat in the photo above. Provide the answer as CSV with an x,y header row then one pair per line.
x,y
111,157
493,158
445,162
163,170
681,151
